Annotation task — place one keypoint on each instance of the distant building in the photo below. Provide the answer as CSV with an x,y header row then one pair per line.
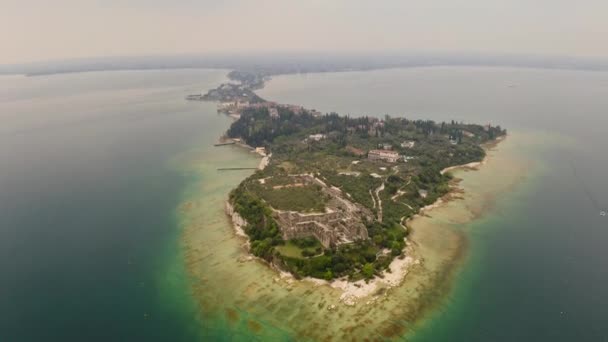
x,y
387,147
378,124
316,113
295,109
423,193
408,144
388,156
274,113
317,137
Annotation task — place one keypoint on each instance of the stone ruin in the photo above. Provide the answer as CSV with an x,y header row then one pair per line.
x,y
342,221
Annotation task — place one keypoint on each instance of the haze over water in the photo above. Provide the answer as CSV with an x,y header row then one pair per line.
x,y
109,193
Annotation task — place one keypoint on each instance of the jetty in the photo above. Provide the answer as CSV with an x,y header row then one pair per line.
x,y
225,143
235,168
194,97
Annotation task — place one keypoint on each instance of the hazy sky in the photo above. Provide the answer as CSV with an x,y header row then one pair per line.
x,y
33,30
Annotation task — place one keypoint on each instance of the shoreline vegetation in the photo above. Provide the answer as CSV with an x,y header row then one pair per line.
x,y
462,145
240,293
247,295
353,292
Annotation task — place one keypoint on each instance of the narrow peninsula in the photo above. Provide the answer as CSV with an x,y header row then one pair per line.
x,y
333,195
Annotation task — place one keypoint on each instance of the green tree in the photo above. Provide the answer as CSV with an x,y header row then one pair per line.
x,y
368,271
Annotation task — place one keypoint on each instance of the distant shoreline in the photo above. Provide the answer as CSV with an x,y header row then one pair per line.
x,y
281,63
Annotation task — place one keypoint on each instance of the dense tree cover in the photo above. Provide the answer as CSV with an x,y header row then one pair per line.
x,y
346,260
258,128
339,159
261,228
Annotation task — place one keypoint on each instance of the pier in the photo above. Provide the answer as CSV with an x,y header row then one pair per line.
x,y
224,144
236,168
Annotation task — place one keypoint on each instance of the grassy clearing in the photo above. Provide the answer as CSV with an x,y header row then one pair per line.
x,y
292,249
307,198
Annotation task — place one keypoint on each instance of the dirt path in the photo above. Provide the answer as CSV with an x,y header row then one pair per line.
x,y
380,188
373,198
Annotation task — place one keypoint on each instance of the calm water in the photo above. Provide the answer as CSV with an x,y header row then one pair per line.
x,y
98,169
89,184
536,269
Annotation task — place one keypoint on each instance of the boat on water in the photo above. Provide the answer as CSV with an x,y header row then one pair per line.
x,y
602,213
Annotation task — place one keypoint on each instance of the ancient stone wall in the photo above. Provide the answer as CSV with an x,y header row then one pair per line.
x,y
342,222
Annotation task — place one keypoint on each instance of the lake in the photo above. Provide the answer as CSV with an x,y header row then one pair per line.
x,y
112,224
90,182
536,266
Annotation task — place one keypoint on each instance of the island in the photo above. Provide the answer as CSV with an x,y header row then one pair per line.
x,y
333,194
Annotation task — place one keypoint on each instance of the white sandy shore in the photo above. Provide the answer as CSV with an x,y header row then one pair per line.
x,y
352,292
264,162
472,165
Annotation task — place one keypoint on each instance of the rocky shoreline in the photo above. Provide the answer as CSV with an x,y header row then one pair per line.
x,y
353,292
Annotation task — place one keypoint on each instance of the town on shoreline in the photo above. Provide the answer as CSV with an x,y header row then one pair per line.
x,y
333,194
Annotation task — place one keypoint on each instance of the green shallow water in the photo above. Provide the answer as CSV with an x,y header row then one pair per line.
x,y
89,242
240,297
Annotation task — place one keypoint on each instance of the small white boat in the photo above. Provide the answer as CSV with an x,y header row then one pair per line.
x,y
602,213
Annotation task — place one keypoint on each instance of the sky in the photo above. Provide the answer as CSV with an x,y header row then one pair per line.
x,y
39,30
